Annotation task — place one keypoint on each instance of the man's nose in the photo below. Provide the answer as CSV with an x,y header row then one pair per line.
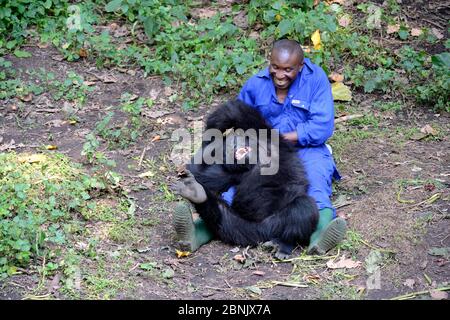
x,y
279,74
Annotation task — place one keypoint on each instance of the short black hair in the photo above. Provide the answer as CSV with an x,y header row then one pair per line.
x,y
291,46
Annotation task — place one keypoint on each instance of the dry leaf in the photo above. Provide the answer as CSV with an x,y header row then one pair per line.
x,y
156,138
343,263
146,174
89,83
240,258
33,158
58,57
336,77
83,53
51,147
43,45
182,254
341,92
315,38
415,32
109,79
259,273
438,295
428,130
344,21
437,33
392,28
203,13
409,283
26,98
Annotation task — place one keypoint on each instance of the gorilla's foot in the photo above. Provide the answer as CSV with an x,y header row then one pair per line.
x,y
279,250
329,237
190,234
190,189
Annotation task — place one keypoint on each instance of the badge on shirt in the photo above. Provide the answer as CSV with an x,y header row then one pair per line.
x,y
296,102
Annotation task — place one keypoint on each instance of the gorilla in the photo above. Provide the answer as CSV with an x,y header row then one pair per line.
x,y
272,208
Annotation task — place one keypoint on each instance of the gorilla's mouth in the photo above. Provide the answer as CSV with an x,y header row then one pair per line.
x,y
242,152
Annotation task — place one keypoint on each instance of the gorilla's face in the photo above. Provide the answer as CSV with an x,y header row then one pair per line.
x,y
284,68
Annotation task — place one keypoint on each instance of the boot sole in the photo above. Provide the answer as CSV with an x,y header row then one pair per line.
x,y
330,237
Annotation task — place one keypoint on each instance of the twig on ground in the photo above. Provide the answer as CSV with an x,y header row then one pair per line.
x,y
349,117
414,294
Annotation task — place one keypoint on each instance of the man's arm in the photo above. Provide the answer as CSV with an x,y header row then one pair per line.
x,y
320,125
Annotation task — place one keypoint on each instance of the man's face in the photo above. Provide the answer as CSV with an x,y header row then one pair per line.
x,y
284,67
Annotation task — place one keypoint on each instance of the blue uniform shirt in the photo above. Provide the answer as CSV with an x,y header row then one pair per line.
x,y
308,109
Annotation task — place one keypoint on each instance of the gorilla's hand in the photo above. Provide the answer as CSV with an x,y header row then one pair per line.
x,y
190,189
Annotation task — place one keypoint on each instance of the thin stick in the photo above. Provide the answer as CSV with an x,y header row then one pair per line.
x,y
290,284
349,117
414,294
142,158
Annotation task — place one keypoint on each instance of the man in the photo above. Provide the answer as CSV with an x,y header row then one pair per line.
x,y
294,96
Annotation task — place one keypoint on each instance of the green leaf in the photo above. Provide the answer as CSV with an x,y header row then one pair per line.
x,y
168,273
403,33
435,251
149,27
441,60
148,266
113,5
285,27
22,54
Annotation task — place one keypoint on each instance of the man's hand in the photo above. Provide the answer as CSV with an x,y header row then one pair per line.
x,y
291,136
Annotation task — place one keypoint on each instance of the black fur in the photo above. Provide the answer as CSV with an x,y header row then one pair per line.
x,y
265,207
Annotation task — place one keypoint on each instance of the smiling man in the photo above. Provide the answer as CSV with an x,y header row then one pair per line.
x,y
294,96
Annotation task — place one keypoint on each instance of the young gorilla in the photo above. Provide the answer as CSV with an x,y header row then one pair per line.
x,y
272,208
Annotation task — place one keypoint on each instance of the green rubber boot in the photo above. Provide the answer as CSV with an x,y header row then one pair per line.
x,y
328,234
191,234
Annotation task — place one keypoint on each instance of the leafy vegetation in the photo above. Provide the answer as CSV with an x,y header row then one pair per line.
x,y
41,195
214,52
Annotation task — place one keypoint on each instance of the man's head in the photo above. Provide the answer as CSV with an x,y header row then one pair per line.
x,y
286,61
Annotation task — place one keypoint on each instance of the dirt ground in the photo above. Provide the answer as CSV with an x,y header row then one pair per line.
x,y
395,195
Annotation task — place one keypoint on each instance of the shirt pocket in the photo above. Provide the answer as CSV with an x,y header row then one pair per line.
x,y
300,109
265,107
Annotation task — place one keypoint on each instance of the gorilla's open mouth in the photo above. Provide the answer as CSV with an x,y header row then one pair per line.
x,y
242,152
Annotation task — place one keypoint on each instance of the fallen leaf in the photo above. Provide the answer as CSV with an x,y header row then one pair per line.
x,y
437,33
83,53
438,295
428,130
168,273
336,77
203,13
26,98
345,21
341,92
241,20
146,174
43,45
373,17
156,138
418,136
343,263
444,252
240,258
392,28
182,254
109,79
254,289
89,83
315,38
416,169
51,147
409,283
415,32
33,158
259,273
58,57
